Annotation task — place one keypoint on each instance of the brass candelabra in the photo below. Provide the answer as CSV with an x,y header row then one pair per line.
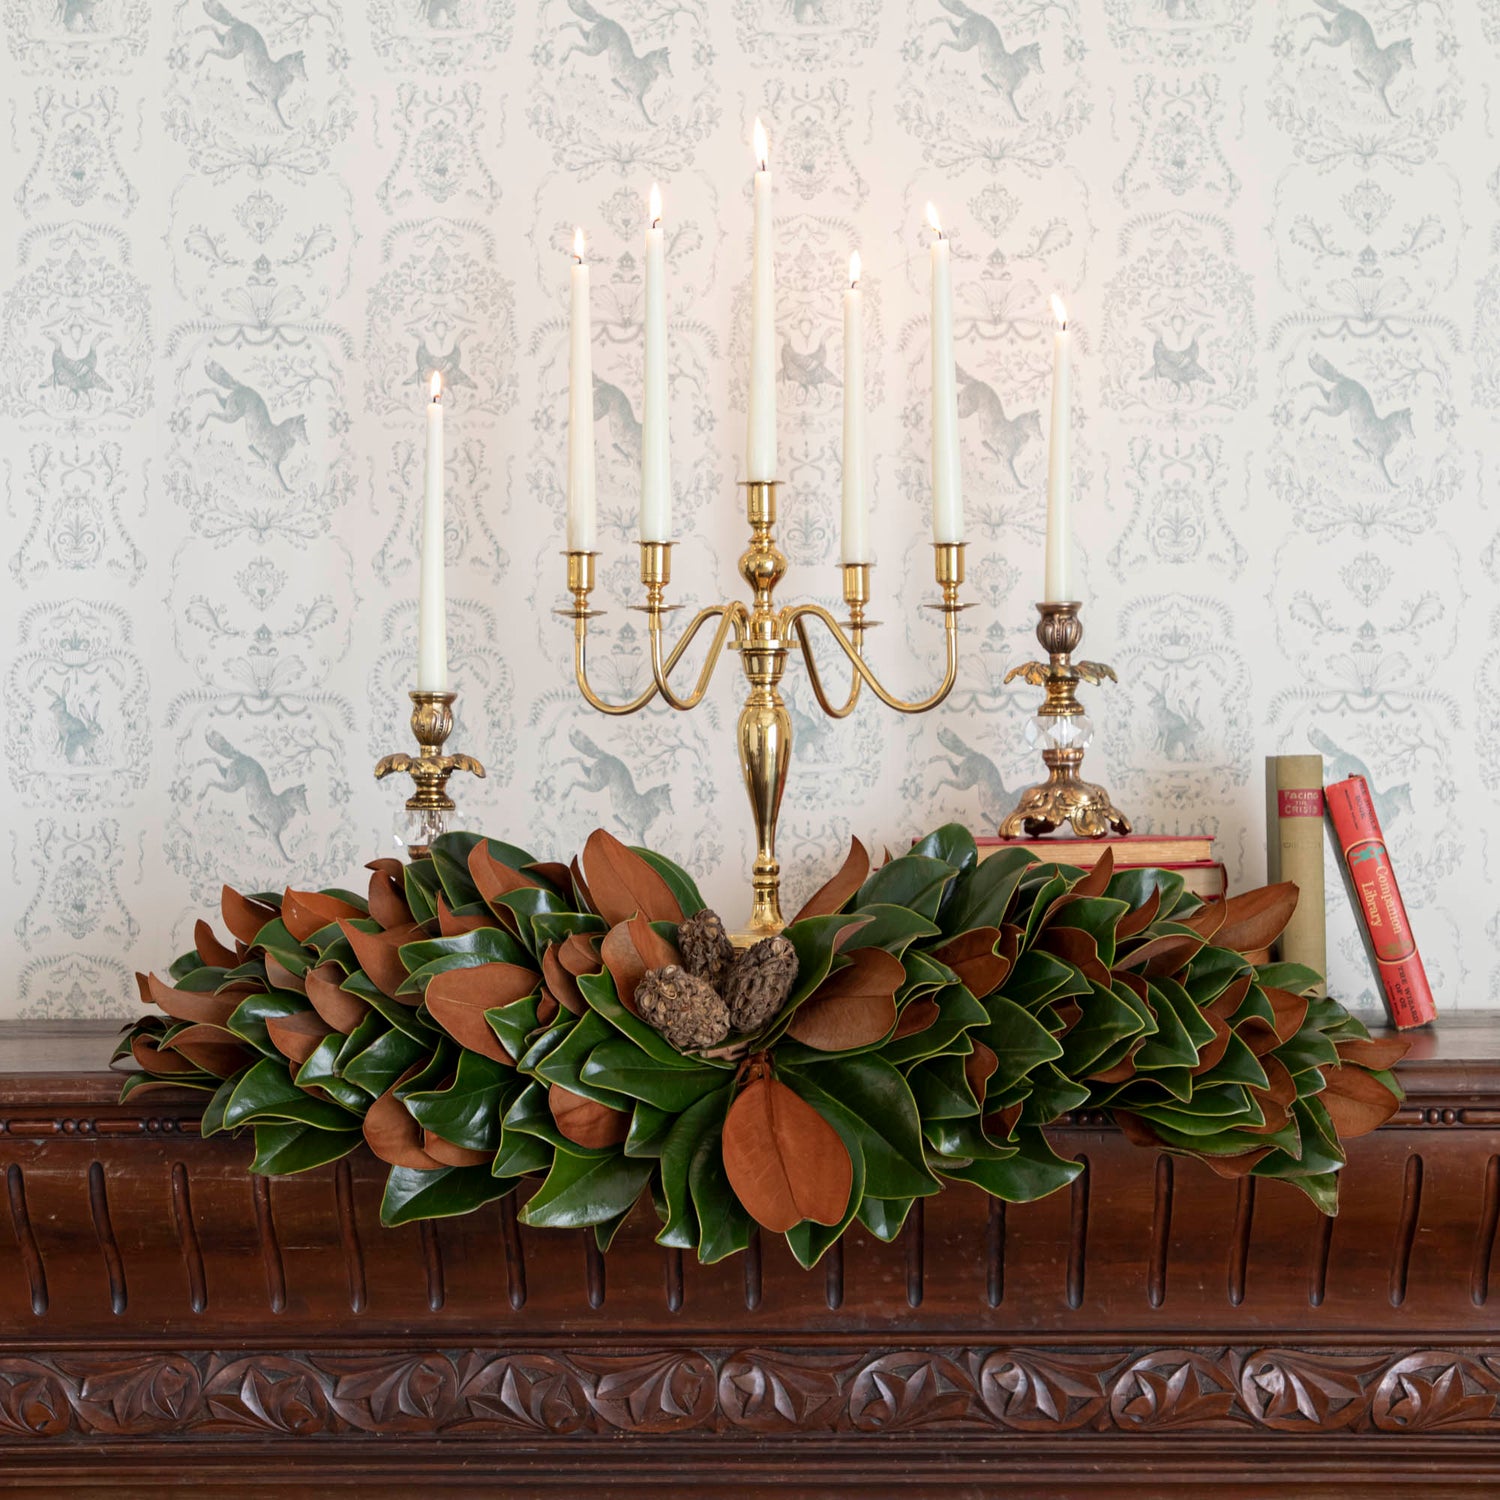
x,y
1063,731
429,805
763,634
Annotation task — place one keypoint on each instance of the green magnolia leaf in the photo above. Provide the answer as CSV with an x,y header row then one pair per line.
x,y
379,1065
266,1092
282,1149
913,881
809,1241
211,1122
565,1064
530,1114
467,1113
422,887
680,1223
404,1017
411,1193
1019,1041
183,965
953,844
878,1107
941,1089
429,956
883,1217
1321,1187
1039,977
1033,1172
958,1013
529,903
583,1190
724,1226
554,927
982,897
514,1024
321,1071
450,859
1134,887
599,991
618,1066
521,1153
249,1017
964,1140
1051,1096
1307,1049
1098,916
893,928
1106,1020
649,1128
200,1083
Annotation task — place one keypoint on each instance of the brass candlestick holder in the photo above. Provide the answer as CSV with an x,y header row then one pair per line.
x,y
429,805
1063,731
763,634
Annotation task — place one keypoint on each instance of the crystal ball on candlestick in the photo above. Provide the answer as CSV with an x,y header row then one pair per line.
x,y
1059,731
412,829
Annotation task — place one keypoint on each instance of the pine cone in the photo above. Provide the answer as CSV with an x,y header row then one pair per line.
x,y
759,983
685,1009
706,950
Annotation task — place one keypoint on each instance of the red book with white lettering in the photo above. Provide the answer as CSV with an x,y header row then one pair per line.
x,y
1370,880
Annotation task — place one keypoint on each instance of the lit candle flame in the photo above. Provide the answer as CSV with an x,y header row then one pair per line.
x,y
437,386
655,208
762,150
932,218
854,269
578,244
1059,311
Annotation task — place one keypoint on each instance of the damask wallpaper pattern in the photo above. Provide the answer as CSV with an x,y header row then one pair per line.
x,y
239,231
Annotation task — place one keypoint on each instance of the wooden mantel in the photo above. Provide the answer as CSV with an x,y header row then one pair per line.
x,y
167,1320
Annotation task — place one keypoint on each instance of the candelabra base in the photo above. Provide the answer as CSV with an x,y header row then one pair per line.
x,y
429,808
1064,797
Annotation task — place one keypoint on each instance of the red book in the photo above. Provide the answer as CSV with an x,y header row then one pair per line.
x,y
1371,882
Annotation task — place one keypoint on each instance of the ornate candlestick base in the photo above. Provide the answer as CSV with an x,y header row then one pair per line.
x,y
1063,731
429,805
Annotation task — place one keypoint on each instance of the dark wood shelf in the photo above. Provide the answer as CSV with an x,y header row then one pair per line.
x,y
168,1322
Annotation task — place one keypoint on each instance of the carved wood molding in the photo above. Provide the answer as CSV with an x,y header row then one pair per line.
x,y
749,1392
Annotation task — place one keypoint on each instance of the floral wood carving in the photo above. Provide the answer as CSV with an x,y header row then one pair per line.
x,y
749,1392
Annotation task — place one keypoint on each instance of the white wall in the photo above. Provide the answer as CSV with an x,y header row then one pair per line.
x,y
1240,221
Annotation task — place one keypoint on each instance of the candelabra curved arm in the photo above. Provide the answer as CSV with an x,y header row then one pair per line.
x,y
731,616
660,669
796,619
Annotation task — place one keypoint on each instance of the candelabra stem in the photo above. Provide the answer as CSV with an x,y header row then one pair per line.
x,y
429,804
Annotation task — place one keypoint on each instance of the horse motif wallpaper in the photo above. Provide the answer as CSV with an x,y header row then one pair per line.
x,y
241,232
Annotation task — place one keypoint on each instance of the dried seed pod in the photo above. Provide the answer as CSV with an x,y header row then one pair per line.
x,y
759,982
685,1009
706,950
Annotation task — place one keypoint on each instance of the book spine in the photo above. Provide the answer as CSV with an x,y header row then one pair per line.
x,y
1376,898
1294,851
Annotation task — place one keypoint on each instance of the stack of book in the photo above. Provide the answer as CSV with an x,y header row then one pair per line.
x,y
1190,855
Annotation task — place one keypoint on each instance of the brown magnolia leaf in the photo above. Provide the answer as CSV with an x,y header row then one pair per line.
x,y
785,1162
1135,983
1140,918
340,1009
586,1121
1000,1124
1256,918
161,1061
387,898
450,924
655,951
1377,1053
387,864
458,998
1161,957
561,985
1208,921
1137,1131
578,953
546,1007
453,1156
854,1007
1357,1102
283,979
297,1036
1291,1012
1276,1101
1095,882
1075,946
1211,1053
1230,998
971,955
306,912
243,915
143,988
1241,1165
1258,1034
916,1015
1068,1013
624,963
185,1005
379,955
1119,1072
213,1049
979,1068
211,951
832,894
555,874
393,1135
622,883
495,878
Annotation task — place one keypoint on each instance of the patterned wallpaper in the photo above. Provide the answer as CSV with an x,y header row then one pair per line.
x,y
238,231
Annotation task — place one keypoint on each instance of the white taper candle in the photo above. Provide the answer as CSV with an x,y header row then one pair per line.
x,y
1058,582
947,483
855,538
656,473
432,597
582,522
760,436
